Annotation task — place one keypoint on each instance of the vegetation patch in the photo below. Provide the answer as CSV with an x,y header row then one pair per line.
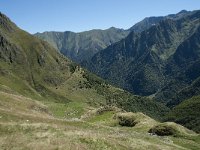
x,y
68,110
126,119
163,130
187,114
97,144
106,109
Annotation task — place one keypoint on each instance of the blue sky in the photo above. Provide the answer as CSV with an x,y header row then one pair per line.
x,y
80,15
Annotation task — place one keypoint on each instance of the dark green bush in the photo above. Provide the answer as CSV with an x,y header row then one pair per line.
x,y
126,119
163,130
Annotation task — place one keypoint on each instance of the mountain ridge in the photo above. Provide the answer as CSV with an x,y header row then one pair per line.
x,y
82,45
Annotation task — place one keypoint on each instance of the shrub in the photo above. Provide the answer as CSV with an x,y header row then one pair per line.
x,y
126,119
163,130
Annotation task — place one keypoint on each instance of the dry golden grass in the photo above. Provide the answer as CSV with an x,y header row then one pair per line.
x,y
28,124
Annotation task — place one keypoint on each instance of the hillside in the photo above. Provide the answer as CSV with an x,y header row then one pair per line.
x,y
29,124
183,71
33,68
82,46
158,62
185,93
187,113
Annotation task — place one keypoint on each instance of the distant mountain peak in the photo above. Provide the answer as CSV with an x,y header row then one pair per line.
x,y
183,11
114,28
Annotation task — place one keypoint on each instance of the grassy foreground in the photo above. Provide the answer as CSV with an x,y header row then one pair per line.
x,y
29,124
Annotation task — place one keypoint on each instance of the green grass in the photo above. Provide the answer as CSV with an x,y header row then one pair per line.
x,y
97,144
24,127
68,110
189,142
104,118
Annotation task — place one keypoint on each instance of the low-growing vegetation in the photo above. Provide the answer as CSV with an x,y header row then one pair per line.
x,y
126,119
163,130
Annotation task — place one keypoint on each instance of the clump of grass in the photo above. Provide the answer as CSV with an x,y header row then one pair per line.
x,y
163,130
171,129
126,119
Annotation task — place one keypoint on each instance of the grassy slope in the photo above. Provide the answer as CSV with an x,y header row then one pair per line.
x,y
28,124
187,113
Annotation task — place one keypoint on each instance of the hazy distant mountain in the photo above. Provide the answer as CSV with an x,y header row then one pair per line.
x,y
82,46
